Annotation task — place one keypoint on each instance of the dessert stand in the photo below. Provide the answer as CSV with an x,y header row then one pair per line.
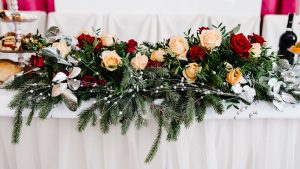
x,y
17,23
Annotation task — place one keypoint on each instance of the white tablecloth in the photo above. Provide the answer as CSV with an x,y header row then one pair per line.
x,y
269,139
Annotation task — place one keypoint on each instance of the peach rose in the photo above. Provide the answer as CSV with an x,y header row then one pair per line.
x,y
62,47
255,51
111,60
210,39
108,39
234,76
139,62
158,55
190,72
180,46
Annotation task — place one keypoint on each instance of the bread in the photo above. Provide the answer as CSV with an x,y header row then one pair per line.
x,y
8,68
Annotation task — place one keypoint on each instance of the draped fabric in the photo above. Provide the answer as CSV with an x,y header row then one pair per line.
x,y
211,144
33,5
279,6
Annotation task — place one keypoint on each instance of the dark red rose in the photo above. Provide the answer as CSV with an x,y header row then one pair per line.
x,y
37,61
202,28
88,39
83,38
256,39
98,46
89,81
240,45
131,46
196,52
152,64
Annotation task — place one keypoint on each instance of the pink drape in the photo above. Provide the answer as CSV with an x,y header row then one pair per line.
x,y
34,5
279,6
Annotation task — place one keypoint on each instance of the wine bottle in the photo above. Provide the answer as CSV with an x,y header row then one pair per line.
x,y
287,39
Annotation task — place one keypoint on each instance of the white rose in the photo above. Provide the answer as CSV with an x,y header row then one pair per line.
x,y
255,51
108,39
139,62
62,47
180,46
210,39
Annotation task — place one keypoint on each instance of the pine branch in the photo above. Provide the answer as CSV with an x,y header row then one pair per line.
x,y
31,114
156,142
189,110
17,126
85,116
45,108
173,131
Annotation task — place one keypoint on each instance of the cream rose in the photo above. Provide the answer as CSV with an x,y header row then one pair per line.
x,y
180,46
158,55
111,60
255,51
108,39
139,62
62,47
190,72
210,39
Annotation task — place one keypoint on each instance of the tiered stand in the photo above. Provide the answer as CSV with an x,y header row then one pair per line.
x,y
17,23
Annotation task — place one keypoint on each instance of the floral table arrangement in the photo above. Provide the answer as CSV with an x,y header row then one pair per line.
x,y
178,78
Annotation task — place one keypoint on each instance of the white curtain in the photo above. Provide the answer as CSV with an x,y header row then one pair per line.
x,y
204,7
147,27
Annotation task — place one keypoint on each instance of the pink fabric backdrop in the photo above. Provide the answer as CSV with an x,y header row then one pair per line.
x,y
34,5
279,6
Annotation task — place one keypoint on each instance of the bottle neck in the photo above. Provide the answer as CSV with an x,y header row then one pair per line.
x,y
289,26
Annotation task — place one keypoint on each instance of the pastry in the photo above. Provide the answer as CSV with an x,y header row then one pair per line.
x,y
8,68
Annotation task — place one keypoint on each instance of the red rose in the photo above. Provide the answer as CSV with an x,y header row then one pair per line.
x,y
37,61
152,64
240,45
202,28
83,38
197,52
89,81
131,46
256,39
88,39
98,46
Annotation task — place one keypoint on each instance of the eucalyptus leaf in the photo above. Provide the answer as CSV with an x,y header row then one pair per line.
x,y
236,29
52,34
70,100
51,52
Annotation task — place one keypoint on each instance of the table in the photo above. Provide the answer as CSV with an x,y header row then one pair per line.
x,y
269,139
